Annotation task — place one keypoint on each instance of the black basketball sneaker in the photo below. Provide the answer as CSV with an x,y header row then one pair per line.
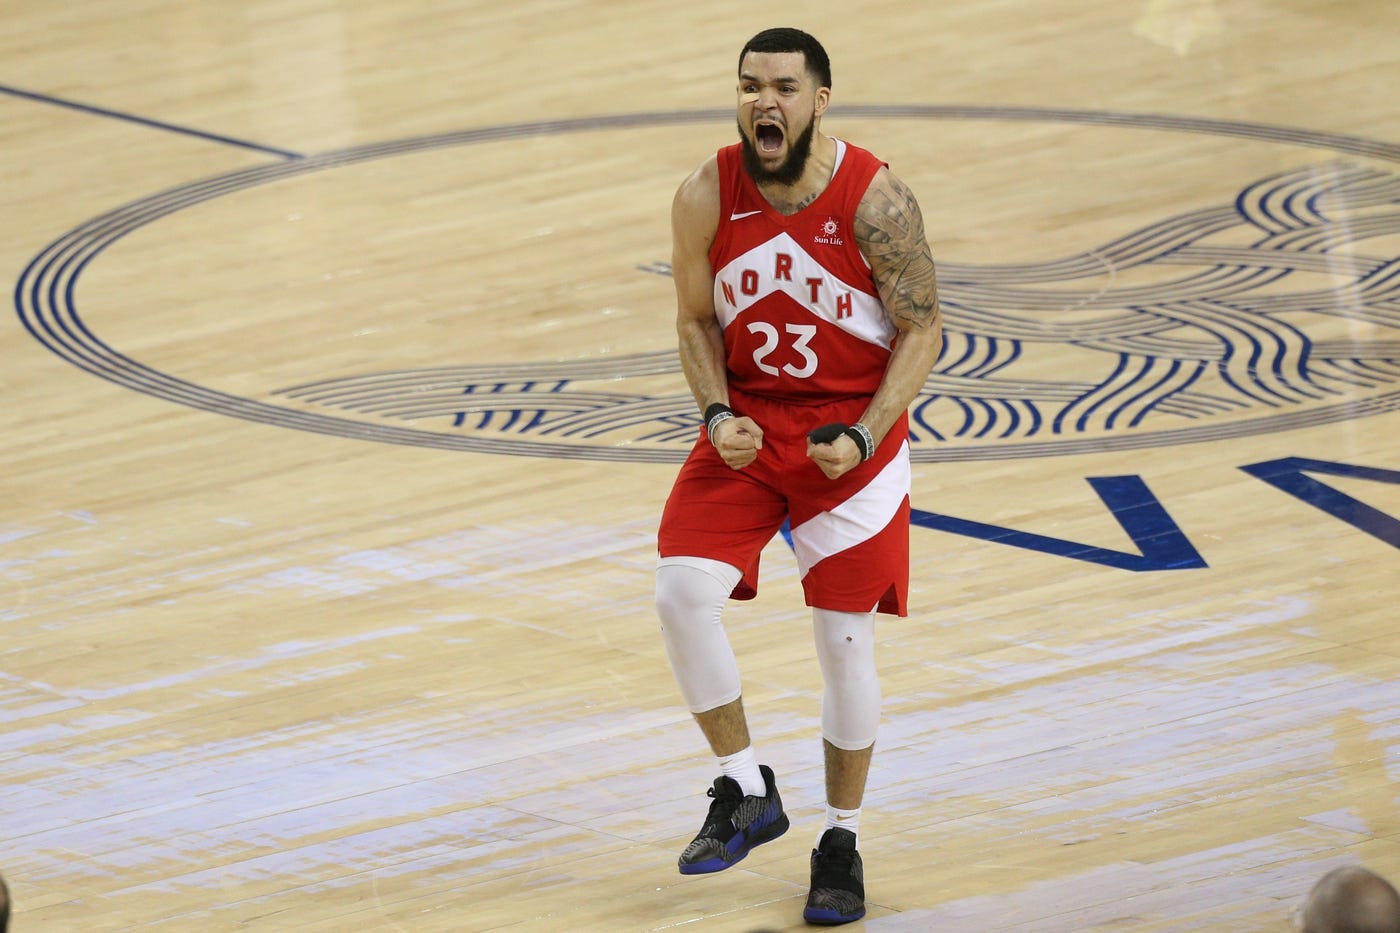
x,y
838,881
735,824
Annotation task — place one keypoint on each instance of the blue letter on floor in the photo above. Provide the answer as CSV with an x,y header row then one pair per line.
x,y
1161,544
1287,474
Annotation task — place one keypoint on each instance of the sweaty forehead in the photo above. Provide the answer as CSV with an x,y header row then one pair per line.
x,y
773,66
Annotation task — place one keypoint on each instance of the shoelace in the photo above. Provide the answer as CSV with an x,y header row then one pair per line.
x,y
721,815
835,865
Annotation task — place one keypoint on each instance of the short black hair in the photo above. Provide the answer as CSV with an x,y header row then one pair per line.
x,y
784,39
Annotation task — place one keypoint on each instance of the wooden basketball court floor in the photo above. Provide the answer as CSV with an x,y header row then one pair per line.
x,y
340,403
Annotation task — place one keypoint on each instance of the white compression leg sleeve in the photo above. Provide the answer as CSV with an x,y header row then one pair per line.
x,y
690,597
851,698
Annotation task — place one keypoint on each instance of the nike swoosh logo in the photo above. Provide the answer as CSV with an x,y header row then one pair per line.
x,y
743,215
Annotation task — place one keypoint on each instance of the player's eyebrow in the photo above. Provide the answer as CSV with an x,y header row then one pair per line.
x,y
781,79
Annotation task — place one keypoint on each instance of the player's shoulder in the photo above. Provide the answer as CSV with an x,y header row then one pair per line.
x,y
887,195
885,181
859,154
698,194
705,178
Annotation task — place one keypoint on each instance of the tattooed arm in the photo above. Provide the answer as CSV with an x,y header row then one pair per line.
x,y
890,231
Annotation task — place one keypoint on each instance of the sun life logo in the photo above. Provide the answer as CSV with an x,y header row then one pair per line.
x,y
828,235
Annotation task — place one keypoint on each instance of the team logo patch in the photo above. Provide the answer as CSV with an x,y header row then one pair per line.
x,y
830,233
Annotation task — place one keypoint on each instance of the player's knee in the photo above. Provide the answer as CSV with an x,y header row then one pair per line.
x,y
846,647
679,600
851,698
845,642
692,590
690,597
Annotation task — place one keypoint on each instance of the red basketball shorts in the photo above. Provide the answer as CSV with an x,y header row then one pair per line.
x,y
850,535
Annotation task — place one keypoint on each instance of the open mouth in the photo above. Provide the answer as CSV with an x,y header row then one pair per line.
x,y
768,137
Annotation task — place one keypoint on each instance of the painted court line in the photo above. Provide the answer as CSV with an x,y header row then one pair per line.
x,y
145,121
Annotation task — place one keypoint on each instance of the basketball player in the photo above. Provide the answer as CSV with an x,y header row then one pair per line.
x,y
1351,899
808,321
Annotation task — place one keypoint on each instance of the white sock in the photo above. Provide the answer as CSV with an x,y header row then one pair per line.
x,y
837,818
743,768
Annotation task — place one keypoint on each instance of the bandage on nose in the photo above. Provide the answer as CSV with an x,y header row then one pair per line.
x,y
747,99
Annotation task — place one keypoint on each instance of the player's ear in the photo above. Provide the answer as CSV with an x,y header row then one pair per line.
x,y
823,98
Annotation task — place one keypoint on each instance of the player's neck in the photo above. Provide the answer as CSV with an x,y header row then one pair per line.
x,y
816,175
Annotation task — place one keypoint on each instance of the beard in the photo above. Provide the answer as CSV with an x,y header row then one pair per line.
x,y
791,168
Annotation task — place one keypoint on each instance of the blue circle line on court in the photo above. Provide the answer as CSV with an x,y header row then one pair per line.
x,y
45,303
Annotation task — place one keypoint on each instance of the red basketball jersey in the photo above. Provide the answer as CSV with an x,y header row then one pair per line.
x,y
802,318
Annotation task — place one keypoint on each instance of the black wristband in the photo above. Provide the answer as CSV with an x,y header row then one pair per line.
x,y
863,438
714,416
718,408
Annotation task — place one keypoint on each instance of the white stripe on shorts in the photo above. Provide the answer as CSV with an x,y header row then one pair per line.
x,y
859,518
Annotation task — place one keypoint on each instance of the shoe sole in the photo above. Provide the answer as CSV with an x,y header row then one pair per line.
x,y
830,918
767,834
